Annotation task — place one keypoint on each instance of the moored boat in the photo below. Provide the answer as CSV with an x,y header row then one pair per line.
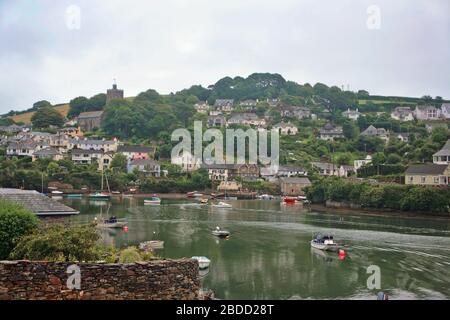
x,y
290,200
151,245
100,195
222,205
220,233
203,262
154,200
324,242
74,195
112,222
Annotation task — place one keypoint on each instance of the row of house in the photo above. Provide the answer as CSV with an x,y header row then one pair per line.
x,y
434,174
426,112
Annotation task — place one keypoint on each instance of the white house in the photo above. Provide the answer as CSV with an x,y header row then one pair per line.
x,y
90,156
427,113
445,110
402,114
443,155
286,128
351,114
202,107
25,149
187,161
147,166
88,144
357,164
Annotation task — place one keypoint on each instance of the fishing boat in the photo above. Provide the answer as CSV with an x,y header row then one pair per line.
x,y
112,222
222,205
203,262
153,200
220,233
324,242
102,195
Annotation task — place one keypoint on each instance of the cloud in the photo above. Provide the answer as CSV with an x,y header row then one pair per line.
x,y
170,45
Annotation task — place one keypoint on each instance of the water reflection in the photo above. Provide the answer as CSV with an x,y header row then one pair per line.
x,y
268,255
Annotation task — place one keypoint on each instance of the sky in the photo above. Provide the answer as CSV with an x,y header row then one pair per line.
x,y
58,50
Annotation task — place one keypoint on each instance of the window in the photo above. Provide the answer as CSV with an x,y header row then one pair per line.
x,y
411,179
436,180
423,179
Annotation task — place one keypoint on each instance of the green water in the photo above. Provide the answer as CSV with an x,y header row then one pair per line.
x,y
268,255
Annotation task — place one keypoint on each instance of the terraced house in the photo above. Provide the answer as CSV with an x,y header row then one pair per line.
x,y
428,174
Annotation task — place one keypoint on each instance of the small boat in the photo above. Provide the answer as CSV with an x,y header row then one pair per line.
x,y
222,205
100,195
265,197
57,193
74,195
302,198
154,200
151,245
116,193
112,222
220,233
289,200
191,194
204,201
324,242
203,262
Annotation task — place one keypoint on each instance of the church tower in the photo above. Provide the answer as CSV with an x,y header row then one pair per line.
x,y
114,93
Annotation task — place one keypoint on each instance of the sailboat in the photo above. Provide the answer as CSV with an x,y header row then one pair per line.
x,y
101,195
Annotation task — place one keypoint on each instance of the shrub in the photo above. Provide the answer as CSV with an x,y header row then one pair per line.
x,y
57,242
15,222
130,255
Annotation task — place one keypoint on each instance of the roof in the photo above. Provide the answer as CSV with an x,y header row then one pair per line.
x,y
291,168
224,166
445,151
90,151
143,162
324,165
285,125
89,141
426,169
90,114
36,202
295,180
424,108
47,152
141,149
223,102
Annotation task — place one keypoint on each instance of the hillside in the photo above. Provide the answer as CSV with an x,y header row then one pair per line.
x,y
26,117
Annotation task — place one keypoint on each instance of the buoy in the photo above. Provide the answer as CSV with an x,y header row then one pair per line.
x,y
341,254
125,228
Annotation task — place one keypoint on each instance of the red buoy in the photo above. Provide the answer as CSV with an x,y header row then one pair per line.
x,y
341,254
125,228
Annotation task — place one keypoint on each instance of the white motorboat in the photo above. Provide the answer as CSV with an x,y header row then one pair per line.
x,y
324,242
220,233
203,262
222,205
154,200
56,193
265,197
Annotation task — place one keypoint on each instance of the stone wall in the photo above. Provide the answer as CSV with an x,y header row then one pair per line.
x,y
156,279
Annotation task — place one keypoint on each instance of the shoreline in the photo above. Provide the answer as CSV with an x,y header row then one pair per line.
x,y
379,213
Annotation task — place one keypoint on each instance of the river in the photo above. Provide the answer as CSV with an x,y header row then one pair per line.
x,y
268,255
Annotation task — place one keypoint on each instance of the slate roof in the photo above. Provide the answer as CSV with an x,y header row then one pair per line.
x,y
144,162
432,169
90,114
36,202
141,149
445,151
296,180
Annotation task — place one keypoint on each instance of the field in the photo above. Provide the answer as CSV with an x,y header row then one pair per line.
x,y
26,117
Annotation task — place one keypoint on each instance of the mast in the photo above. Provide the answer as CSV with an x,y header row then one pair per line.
x,y
101,188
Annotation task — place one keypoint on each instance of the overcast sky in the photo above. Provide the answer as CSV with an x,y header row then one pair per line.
x,y
172,44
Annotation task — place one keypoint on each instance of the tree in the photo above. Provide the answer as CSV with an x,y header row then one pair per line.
x,y
96,102
41,104
119,162
192,100
350,130
47,116
56,242
15,222
77,106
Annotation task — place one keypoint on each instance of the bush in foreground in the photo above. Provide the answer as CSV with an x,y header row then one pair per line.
x,y
15,222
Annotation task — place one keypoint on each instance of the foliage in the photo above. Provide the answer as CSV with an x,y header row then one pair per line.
x,y
15,222
47,116
395,197
130,255
57,242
